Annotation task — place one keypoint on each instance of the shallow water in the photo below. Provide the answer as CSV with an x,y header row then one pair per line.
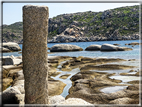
x,y
113,89
67,81
125,78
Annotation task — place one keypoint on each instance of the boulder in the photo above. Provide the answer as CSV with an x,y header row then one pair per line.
x,y
74,101
19,85
109,47
56,99
19,98
6,83
124,100
65,48
93,48
9,95
12,46
6,60
11,60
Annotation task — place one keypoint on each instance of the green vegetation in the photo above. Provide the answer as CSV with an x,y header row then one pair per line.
x,y
124,19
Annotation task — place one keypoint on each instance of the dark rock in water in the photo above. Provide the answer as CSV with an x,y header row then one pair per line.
x,y
93,48
116,44
134,43
65,48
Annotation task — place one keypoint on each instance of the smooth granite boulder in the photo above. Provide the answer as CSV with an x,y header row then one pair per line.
x,y
109,47
65,48
12,46
93,48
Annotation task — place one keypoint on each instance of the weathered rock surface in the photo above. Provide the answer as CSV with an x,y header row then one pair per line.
x,y
65,76
34,53
9,95
103,98
93,48
6,82
56,99
11,60
124,100
5,50
124,49
55,87
65,48
75,101
6,60
106,67
19,98
109,47
12,46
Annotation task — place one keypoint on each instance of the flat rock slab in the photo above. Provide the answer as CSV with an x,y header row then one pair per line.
x,y
55,87
106,67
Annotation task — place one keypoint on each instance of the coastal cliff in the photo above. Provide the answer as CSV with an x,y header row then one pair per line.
x,y
114,24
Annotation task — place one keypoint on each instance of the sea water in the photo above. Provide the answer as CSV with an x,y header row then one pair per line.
x,y
133,54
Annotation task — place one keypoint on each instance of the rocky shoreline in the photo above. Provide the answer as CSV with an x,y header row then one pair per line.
x,y
66,39
86,84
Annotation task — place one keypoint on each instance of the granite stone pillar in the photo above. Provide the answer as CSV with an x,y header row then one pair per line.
x,y
34,54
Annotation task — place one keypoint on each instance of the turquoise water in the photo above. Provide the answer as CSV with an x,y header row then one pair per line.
x,y
134,54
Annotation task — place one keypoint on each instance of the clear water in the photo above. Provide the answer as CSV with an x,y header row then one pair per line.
x,y
134,54
113,89
125,79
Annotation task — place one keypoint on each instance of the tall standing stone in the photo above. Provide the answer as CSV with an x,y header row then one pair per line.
x,y
35,68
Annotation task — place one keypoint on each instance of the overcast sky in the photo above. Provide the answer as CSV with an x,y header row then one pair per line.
x,y
12,12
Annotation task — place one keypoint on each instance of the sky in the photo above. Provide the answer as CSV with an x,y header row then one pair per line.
x,y
12,12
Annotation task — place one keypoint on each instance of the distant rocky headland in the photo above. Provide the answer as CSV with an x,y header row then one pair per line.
x,y
110,25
